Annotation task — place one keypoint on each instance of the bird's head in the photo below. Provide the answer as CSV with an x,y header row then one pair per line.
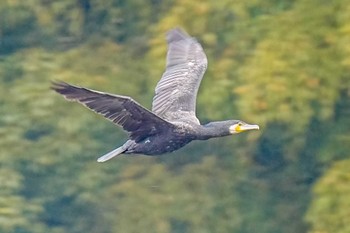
x,y
240,126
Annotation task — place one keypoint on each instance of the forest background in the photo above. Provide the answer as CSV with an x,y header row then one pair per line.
x,y
282,64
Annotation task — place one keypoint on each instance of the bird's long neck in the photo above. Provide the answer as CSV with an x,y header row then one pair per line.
x,y
214,129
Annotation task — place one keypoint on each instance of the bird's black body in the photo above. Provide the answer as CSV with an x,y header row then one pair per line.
x,y
172,123
176,137
157,145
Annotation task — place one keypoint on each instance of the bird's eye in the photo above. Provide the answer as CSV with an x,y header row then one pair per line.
x,y
240,124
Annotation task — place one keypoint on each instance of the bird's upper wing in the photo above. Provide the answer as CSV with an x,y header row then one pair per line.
x,y
176,92
121,110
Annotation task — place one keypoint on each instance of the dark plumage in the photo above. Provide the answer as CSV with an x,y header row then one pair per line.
x,y
172,123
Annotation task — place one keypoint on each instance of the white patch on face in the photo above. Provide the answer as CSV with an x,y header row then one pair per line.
x,y
232,129
147,141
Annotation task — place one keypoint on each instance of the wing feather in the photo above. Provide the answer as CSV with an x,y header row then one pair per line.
x,y
121,110
176,92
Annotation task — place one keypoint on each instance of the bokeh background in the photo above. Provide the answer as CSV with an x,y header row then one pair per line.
x,y
282,64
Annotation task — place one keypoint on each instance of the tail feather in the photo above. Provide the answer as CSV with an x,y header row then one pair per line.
x,y
111,154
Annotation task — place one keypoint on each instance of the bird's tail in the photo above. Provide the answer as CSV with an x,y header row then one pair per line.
x,y
111,154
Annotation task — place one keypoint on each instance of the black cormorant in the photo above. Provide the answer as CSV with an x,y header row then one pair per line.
x,y
172,123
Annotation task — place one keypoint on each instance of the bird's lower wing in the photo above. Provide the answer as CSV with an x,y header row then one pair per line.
x,y
121,110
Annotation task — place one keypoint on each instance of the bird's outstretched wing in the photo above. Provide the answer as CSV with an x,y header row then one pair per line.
x,y
176,92
121,110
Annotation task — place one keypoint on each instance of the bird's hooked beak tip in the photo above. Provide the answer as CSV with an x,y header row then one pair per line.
x,y
249,127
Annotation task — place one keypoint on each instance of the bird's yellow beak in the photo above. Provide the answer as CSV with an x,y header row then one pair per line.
x,y
238,128
242,128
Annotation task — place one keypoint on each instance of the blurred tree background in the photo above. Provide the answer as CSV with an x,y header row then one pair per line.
x,y
282,64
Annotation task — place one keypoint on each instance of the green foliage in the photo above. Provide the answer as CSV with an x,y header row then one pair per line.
x,y
16,212
281,64
17,27
149,196
329,210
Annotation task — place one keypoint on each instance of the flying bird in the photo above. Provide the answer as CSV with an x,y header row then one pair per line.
x,y
172,123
